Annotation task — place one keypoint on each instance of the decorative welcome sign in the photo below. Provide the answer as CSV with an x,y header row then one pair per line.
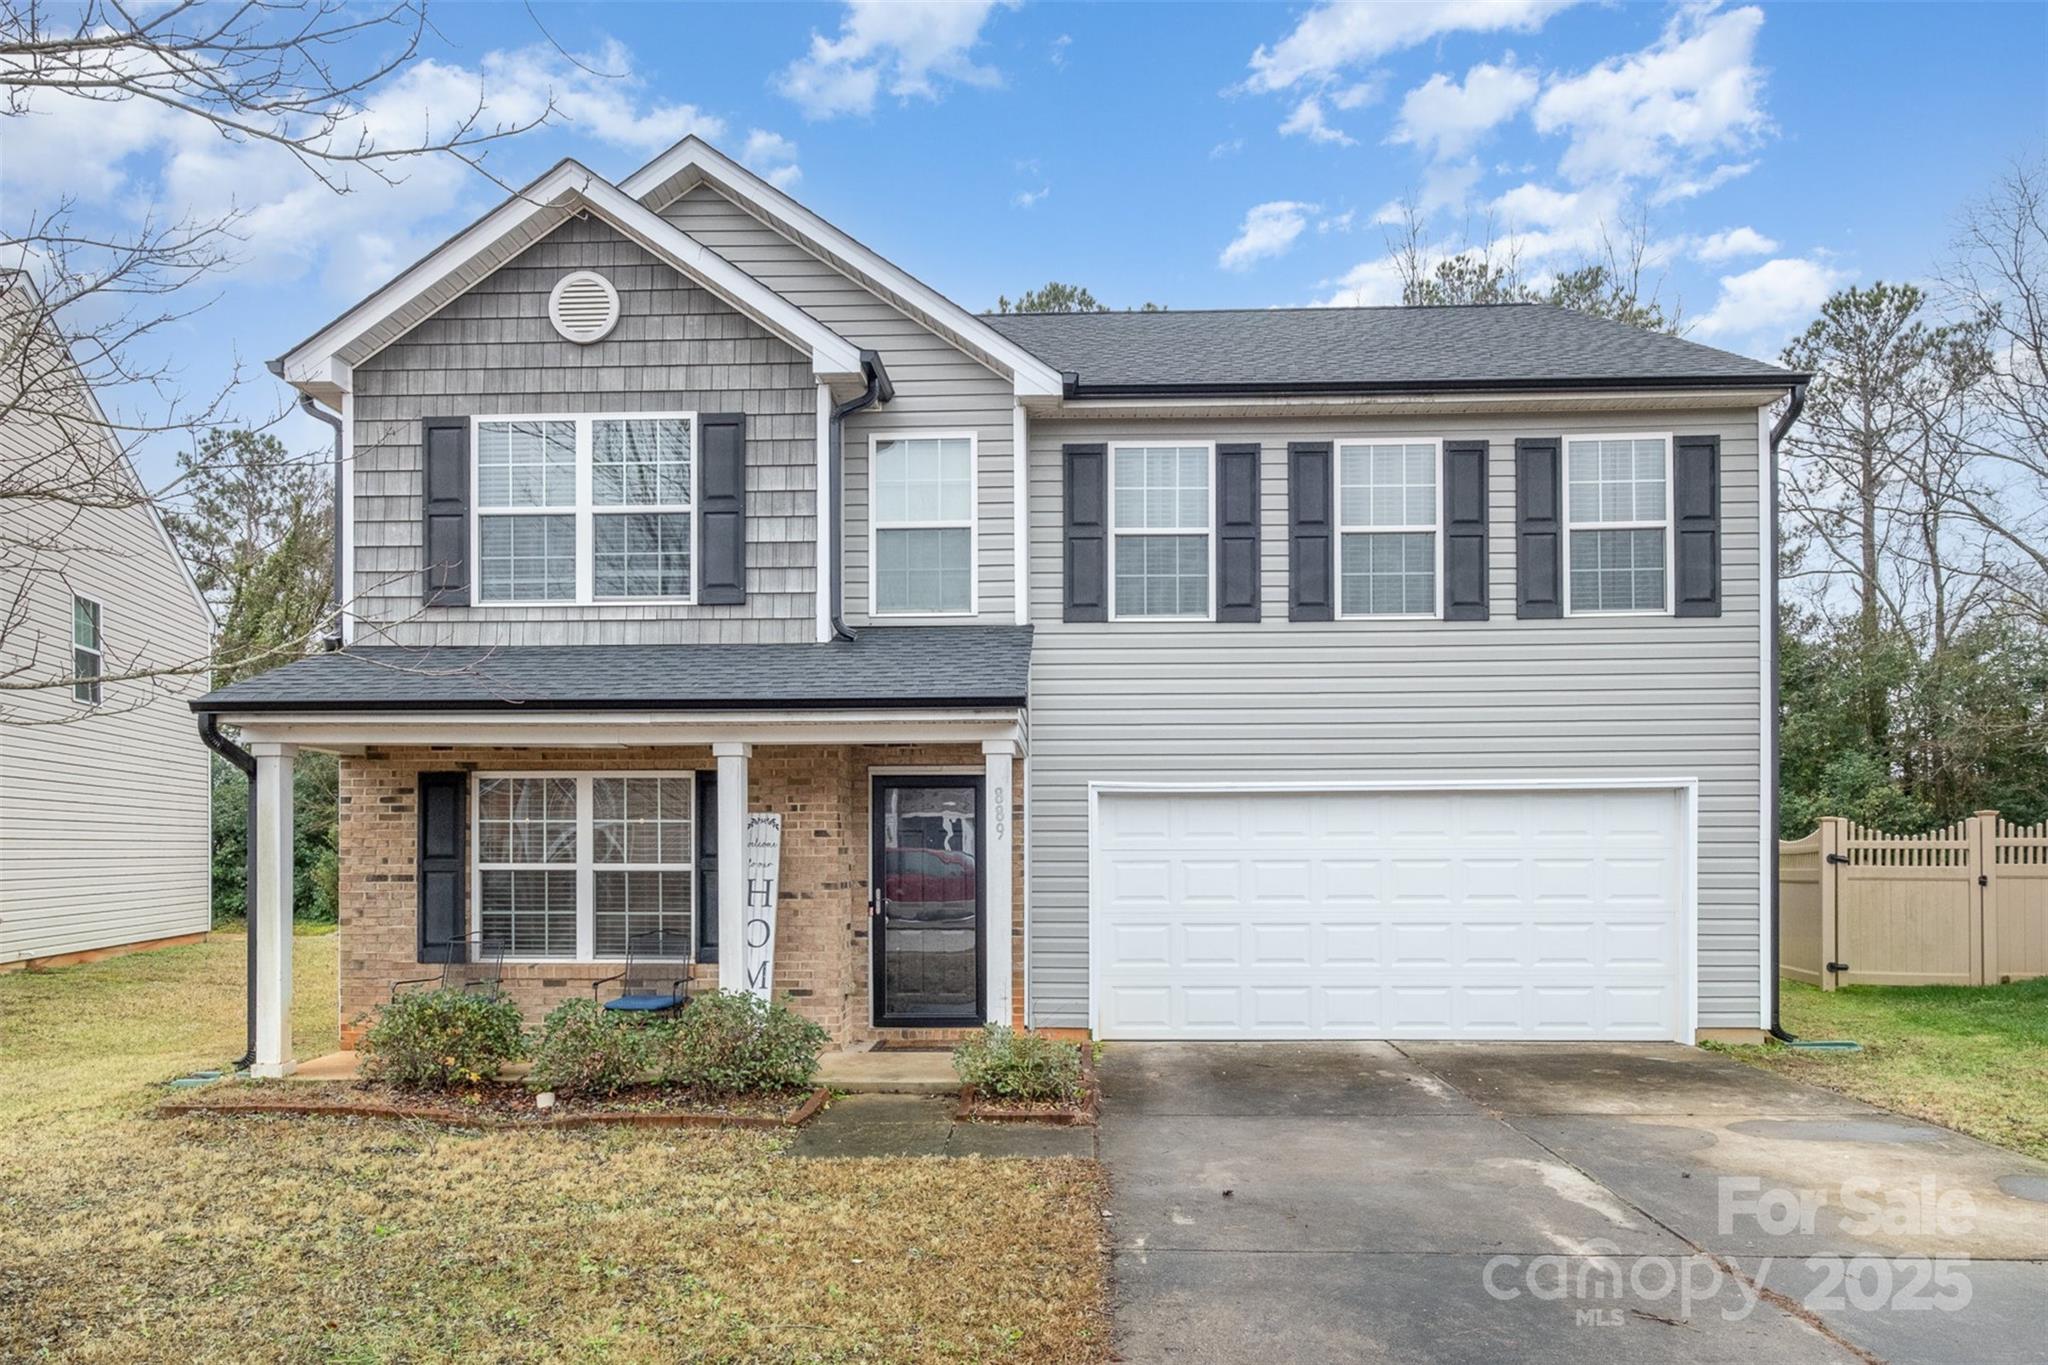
x,y
764,881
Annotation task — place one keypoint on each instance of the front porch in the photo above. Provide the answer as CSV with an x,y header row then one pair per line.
x,y
532,878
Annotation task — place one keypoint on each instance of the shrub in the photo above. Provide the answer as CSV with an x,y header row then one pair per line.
x,y
1019,1066
438,1039
583,1049
730,1042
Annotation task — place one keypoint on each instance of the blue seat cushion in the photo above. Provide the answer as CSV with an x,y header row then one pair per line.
x,y
647,1003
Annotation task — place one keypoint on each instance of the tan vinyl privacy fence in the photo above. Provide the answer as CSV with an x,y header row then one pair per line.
x,y
1963,906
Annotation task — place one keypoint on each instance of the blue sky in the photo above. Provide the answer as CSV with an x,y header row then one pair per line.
x,y
1197,156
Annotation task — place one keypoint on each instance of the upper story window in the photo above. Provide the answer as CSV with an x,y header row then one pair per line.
x,y
1387,517
1161,529
1617,524
586,509
921,525
88,656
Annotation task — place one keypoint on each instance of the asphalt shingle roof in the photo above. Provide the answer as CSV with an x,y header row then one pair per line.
x,y
886,666
1525,345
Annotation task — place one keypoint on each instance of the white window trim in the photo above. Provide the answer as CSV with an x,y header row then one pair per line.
x,y
586,867
972,524
1115,533
1436,530
585,511
1564,494
99,652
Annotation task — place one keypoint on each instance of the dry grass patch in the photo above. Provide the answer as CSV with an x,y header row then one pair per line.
x,y
126,1237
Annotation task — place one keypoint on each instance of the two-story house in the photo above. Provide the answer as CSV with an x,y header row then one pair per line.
x,y
1324,673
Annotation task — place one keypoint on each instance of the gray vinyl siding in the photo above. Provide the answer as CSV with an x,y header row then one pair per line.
x,y
493,351
938,388
105,814
1281,701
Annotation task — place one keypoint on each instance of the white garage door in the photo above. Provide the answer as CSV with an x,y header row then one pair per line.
x,y
1474,914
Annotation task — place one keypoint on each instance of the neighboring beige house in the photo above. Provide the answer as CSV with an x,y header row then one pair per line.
x,y
105,808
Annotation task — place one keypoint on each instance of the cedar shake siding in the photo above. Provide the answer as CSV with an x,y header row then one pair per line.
x,y
938,388
1282,700
492,351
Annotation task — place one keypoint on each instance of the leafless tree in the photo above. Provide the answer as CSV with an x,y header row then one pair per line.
x,y
80,305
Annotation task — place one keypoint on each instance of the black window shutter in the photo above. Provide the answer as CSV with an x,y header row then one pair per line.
x,y
1085,497
1464,531
722,509
444,534
444,822
1311,533
707,868
1696,513
1539,530
1237,533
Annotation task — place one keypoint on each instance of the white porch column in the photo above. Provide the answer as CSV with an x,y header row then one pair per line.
x,y
998,839
272,921
732,864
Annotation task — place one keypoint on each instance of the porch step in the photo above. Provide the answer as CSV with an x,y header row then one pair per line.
x,y
889,1073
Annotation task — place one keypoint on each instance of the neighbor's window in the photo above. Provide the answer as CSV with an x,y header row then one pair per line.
x,y
585,509
923,516
88,658
544,890
1387,528
1617,520
1160,523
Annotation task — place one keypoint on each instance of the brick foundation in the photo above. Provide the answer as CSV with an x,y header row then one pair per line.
x,y
822,794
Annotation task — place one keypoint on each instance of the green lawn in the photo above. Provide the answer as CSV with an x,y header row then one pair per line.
x,y
1974,1058
126,1237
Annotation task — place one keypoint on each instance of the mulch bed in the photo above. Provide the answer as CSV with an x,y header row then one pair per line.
x,y
996,1109
499,1105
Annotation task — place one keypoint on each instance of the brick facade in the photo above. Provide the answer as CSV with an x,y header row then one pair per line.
x,y
822,794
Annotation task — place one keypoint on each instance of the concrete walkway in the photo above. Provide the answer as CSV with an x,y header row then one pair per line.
x,y
1492,1203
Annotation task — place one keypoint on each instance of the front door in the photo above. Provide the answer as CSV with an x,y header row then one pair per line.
x,y
926,902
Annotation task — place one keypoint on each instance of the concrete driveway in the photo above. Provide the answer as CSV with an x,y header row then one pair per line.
x,y
1531,1202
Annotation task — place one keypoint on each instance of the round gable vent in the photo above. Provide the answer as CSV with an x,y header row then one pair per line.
x,y
584,306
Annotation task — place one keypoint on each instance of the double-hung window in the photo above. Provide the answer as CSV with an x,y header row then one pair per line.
x,y
1161,511
585,867
586,509
88,652
1387,518
921,501
1618,524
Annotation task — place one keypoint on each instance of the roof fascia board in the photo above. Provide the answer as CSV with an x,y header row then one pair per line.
x,y
1410,403
1028,373
316,363
610,730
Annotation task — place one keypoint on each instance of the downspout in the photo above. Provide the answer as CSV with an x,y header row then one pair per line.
x,y
312,409
210,735
878,390
1778,434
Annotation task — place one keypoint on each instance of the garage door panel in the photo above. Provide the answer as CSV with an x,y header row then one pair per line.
x,y
1397,915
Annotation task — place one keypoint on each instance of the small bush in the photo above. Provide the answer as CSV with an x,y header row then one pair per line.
x,y
1019,1066
731,1042
444,1038
583,1049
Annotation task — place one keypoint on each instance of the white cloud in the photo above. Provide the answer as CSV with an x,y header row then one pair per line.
x,y
1692,187
1365,284
1337,222
1025,199
1334,36
1356,95
772,157
1767,303
1228,147
1058,54
1734,242
1445,118
1694,93
607,107
1268,230
908,48
1307,121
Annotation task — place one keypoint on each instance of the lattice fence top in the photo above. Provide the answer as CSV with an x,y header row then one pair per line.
x,y
2019,845
1951,847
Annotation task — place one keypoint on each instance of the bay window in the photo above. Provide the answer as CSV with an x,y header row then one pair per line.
x,y
583,867
1617,524
585,509
1387,523
1161,513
